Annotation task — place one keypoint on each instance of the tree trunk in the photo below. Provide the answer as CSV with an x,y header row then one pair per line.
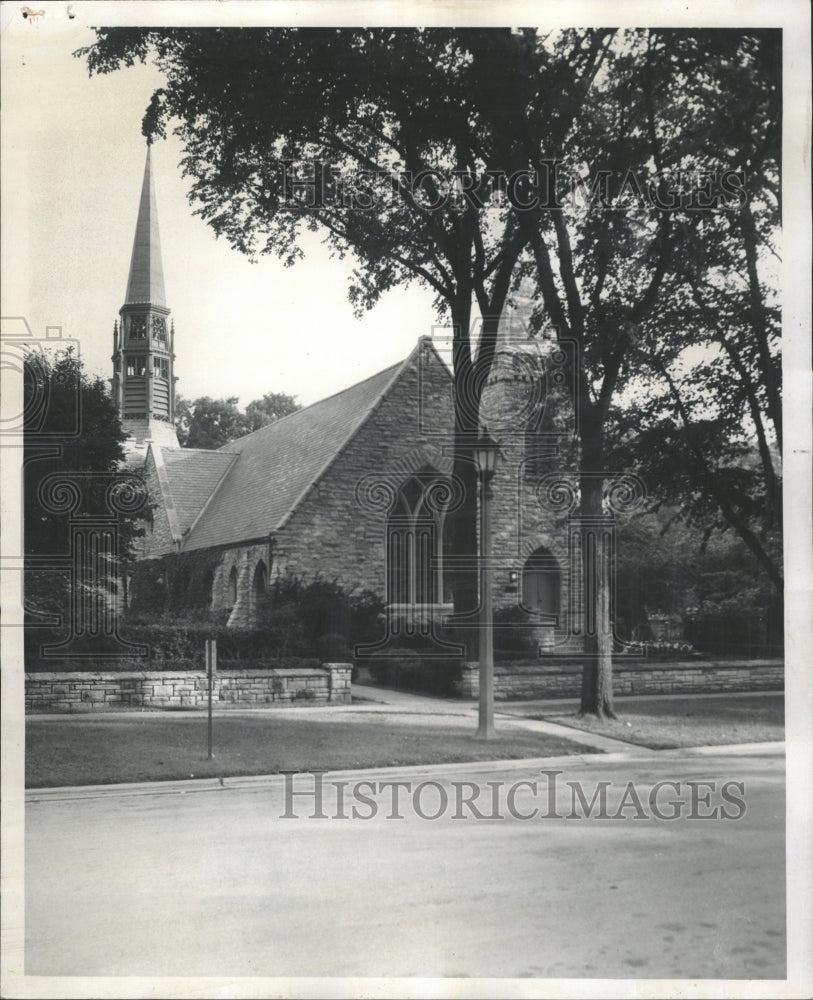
x,y
596,552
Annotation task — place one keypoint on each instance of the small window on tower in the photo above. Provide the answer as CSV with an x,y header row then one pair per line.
x,y
161,367
159,330
138,328
137,364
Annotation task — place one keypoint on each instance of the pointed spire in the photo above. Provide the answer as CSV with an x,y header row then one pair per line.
x,y
146,283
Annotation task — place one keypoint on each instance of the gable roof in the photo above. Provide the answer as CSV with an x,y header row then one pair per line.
x,y
188,477
274,467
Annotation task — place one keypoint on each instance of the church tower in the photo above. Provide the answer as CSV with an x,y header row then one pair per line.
x,y
144,337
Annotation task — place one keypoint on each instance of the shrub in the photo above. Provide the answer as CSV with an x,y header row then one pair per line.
x,y
320,618
723,630
301,624
408,670
333,648
514,638
284,663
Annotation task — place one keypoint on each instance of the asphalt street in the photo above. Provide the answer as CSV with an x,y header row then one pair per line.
x,y
199,878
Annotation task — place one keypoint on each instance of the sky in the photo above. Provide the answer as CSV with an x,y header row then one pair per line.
x,y
73,160
72,164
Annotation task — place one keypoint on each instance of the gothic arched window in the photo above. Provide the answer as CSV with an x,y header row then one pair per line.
x,y
415,540
233,587
260,582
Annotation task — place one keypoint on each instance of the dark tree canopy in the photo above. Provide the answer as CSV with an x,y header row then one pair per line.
x,y
72,431
270,407
211,423
646,246
214,422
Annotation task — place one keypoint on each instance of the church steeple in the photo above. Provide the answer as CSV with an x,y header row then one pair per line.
x,y
143,358
146,282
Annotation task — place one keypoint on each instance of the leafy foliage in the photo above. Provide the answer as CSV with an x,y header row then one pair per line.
x,y
214,422
513,638
711,582
406,670
272,406
320,617
211,423
71,430
298,618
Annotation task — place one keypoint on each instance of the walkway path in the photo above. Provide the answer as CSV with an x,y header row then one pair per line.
x,y
402,701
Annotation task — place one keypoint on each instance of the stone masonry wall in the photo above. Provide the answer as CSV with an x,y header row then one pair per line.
x,y
75,692
519,682
330,533
244,560
334,534
520,525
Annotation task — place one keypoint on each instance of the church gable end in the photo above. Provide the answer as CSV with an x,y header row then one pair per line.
x,y
335,531
161,534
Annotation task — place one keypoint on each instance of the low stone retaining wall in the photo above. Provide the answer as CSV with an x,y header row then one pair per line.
x,y
681,677
74,692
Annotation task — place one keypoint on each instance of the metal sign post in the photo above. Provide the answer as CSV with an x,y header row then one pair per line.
x,y
211,667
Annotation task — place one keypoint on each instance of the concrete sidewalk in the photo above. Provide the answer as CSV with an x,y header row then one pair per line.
x,y
401,707
514,715
402,701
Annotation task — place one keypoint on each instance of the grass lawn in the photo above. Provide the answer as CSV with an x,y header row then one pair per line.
x,y
82,750
664,723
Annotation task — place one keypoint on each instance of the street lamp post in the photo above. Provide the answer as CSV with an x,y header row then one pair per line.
x,y
485,454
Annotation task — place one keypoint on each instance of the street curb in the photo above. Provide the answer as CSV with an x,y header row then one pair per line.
x,y
261,781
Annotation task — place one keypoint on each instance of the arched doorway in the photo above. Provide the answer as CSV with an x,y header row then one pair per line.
x,y
542,585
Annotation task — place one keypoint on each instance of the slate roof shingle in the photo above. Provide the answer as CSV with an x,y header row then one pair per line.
x,y
274,466
193,475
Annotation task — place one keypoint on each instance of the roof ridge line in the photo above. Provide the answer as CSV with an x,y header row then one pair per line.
x,y
166,491
399,369
190,451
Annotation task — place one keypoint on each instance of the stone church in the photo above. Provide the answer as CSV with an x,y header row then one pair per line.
x,y
356,487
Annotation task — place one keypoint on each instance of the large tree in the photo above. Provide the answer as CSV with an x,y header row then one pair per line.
x,y
711,432
398,114
214,422
73,456
413,108
654,169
